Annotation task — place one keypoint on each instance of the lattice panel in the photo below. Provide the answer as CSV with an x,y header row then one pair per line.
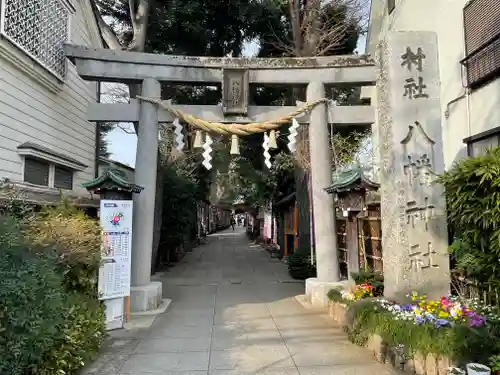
x,y
40,28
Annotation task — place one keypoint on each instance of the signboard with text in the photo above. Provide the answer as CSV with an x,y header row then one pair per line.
x,y
116,224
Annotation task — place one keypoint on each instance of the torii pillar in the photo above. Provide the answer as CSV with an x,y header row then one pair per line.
x,y
325,232
144,294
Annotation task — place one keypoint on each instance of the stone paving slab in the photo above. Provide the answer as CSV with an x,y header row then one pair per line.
x,y
233,312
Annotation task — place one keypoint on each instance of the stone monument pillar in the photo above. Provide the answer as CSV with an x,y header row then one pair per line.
x,y
325,239
144,294
414,231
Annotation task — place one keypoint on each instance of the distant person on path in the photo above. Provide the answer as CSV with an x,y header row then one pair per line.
x,y
232,223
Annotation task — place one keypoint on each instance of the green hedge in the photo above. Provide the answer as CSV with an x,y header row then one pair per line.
x,y
299,264
51,321
473,200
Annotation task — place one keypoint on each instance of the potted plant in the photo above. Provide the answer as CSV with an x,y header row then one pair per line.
x,y
495,364
477,369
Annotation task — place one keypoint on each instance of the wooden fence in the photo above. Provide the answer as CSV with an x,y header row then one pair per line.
x,y
359,240
370,243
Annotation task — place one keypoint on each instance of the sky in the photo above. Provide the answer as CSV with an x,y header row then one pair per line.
x,y
122,144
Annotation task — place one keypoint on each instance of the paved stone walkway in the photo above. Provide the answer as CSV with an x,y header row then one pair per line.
x,y
234,313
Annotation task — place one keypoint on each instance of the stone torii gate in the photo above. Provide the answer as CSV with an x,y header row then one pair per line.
x,y
235,74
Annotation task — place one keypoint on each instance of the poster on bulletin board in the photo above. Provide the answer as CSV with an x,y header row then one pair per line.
x,y
114,273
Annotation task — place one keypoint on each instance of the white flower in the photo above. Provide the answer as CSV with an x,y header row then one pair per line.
x,y
348,296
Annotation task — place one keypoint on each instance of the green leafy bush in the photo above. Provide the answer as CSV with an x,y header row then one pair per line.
x,y
180,195
82,336
335,295
51,319
32,303
375,279
473,199
77,239
299,264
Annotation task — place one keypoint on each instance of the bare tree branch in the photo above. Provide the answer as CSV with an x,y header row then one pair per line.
x,y
315,31
132,7
140,18
287,47
294,9
107,33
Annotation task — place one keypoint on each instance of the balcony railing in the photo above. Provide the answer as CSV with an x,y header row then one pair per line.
x,y
482,41
483,65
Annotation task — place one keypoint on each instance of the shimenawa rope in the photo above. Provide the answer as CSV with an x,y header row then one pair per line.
x,y
236,129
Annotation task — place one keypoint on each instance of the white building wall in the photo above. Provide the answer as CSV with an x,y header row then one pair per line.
x,y
36,107
472,114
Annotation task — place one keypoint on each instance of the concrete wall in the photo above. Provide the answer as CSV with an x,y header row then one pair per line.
x,y
477,111
36,107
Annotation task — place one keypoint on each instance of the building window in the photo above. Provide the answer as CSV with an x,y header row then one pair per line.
x,y
63,178
36,172
478,144
43,173
40,28
391,5
482,41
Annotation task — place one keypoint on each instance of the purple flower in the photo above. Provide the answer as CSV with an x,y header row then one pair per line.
x,y
407,307
477,321
441,323
419,319
430,317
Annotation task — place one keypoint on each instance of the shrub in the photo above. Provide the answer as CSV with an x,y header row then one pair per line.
x,y
83,335
335,295
473,199
32,307
179,214
299,264
375,279
63,327
77,239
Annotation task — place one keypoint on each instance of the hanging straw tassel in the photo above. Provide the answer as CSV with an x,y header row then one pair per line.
x,y
235,147
272,140
198,139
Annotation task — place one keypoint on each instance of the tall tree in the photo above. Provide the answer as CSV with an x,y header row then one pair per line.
x,y
104,129
216,28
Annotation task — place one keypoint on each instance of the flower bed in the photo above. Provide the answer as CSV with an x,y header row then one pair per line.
x,y
348,297
340,300
426,335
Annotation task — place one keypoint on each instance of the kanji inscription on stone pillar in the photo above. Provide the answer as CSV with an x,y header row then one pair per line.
x,y
235,84
415,236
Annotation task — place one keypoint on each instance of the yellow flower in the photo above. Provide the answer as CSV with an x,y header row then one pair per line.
x,y
443,314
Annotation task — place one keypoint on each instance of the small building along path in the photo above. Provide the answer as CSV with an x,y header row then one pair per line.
x,y
234,312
